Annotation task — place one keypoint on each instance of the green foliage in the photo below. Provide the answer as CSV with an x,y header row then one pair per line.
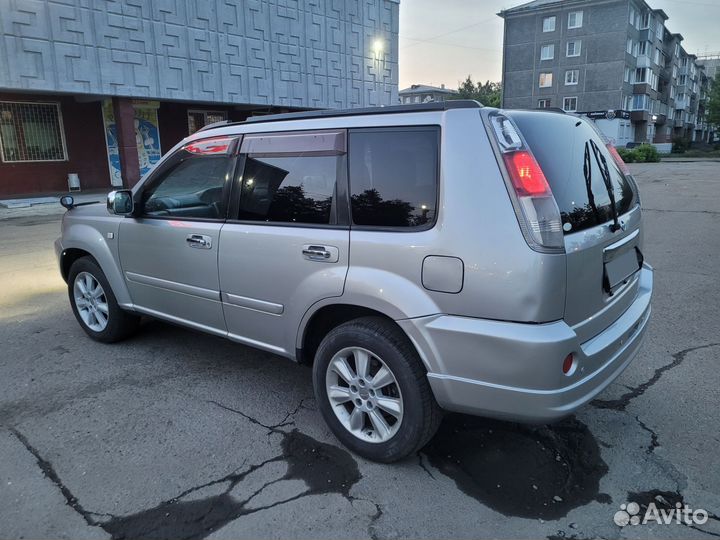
x,y
713,105
680,145
645,153
627,155
489,93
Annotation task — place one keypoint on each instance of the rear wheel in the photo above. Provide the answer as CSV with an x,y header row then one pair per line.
x,y
94,304
372,390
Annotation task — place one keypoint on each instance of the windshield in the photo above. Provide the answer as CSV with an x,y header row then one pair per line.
x,y
558,142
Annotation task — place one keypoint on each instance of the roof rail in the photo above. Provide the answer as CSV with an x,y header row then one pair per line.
x,y
214,125
392,109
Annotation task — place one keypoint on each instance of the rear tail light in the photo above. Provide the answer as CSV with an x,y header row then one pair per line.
x,y
618,160
538,212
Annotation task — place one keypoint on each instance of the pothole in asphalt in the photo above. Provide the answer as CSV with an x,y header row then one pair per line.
x,y
517,470
324,469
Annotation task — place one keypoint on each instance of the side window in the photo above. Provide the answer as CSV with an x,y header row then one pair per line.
x,y
394,176
291,177
194,181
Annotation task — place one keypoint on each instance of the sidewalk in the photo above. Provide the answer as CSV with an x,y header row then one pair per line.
x,y
45,205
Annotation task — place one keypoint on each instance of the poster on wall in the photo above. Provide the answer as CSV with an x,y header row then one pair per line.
x,y
147,137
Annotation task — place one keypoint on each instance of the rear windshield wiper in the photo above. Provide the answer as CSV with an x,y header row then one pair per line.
x,y
605,173
587,170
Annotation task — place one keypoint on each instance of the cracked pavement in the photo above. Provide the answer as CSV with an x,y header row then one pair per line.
x,y
175,434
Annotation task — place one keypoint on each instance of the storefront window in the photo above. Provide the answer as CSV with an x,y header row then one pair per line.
x,y
31,132
200,119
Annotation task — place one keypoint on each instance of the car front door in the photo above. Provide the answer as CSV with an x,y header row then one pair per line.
x,y
169,248
286,243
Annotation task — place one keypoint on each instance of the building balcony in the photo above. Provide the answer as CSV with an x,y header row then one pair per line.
x,y
644,61
639,116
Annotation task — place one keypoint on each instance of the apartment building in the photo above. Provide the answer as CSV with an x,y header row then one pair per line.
x,y
615,61
101,89
422,93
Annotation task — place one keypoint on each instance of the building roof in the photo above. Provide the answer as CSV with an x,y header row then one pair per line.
x,y
425,89
528,6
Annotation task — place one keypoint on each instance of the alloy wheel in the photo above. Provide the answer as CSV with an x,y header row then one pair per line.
x,y
91,302
364,394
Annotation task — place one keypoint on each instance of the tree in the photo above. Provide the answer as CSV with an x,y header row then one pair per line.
x,y
713,105
489,93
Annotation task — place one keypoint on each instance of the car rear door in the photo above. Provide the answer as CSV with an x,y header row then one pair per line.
x,y
602,263
286,245
169,248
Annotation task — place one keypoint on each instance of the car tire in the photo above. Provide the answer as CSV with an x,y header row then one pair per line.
x,y
350,402
94,304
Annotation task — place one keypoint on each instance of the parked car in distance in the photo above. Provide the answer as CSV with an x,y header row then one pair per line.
x,y
442,256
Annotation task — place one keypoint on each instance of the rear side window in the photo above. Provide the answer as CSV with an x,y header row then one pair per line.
x,y
558,143
291,178
394,176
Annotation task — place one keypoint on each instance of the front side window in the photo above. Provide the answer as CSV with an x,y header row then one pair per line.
x,y
549,24
546,80
573,48
570,104
575,19
547,52
394,176
291,177
192,182
31,132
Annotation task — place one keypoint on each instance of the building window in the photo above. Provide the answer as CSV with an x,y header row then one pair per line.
x,y
641,76
626,76
640,102
543,103
547,52
572,76
657,56
573,48
575,19
632,16
31,132
677,50
199,119
570,104
393,176
674,72
659,30
549,24
546,80
629,47
645,21
644,48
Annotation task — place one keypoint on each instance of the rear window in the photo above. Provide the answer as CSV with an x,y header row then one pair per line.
x,y
558,143
394,176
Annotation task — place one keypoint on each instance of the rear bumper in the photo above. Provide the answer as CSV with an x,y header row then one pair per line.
x,y
514,371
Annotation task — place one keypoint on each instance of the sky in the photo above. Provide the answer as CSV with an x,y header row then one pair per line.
x,y
444,41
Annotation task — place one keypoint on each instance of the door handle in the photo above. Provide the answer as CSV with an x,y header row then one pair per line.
x,y
199,241
328,254
316,252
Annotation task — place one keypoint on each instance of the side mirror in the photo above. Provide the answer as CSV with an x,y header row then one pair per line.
x,y
120,202
67,201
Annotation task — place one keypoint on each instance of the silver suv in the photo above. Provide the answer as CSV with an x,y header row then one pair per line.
x,y
422,258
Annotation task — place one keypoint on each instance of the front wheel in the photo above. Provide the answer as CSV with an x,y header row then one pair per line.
x,y
94,304
372,390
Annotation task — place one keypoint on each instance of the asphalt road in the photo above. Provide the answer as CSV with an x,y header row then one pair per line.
x,y
178,434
